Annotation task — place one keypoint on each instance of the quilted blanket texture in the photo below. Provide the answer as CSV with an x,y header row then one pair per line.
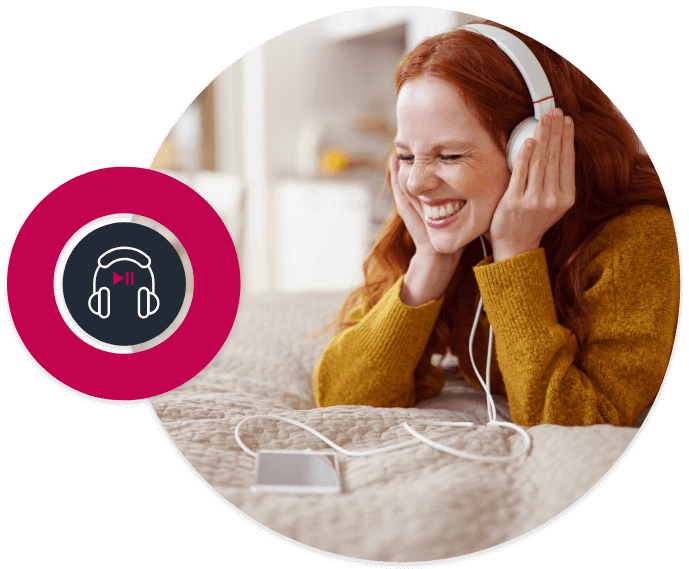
x,y
412,504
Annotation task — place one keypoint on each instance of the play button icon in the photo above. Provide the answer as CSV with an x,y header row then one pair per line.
x,y
116,278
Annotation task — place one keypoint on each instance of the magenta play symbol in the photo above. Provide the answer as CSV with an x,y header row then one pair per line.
x,y
116,278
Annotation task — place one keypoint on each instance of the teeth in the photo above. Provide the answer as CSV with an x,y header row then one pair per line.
x,y
445,210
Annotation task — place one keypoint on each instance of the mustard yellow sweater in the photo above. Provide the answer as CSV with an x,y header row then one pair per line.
x,y
631,284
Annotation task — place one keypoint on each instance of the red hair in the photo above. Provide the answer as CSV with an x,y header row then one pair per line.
x,y
612,173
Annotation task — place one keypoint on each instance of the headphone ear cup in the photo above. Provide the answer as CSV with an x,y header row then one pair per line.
x,y
95,296
154,296
138,302
147,303
101,302
524,130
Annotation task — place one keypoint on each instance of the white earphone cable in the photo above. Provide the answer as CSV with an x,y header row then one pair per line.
x,y
492,416
314,432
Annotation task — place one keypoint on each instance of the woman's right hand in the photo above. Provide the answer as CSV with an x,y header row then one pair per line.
x,y
429,271
412,220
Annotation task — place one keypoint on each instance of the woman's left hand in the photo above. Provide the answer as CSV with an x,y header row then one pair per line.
x,y
540,191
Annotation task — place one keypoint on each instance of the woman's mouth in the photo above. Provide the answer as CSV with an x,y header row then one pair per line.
x,y
439,216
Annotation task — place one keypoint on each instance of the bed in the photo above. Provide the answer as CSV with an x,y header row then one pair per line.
x,y
412,504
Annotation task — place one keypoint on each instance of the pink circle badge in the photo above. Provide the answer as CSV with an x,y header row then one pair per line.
x,y
31,271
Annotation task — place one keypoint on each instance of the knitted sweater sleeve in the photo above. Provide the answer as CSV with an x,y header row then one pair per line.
x,y
373,361
631,287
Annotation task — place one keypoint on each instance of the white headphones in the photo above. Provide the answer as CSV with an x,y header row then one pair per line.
x,y
149,293
536,81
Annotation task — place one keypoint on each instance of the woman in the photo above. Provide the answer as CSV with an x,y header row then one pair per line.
x,y
582,286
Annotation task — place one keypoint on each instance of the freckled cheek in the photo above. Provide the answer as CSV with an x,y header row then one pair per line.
x,y
501,187
506,176
494,186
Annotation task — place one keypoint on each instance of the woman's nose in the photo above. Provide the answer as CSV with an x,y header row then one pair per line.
x,y
421,178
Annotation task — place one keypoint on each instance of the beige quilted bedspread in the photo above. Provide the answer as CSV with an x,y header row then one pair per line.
x,y
413,504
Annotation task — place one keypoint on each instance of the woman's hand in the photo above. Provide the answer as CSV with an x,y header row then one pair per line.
x,y
412,220
429,272
540,191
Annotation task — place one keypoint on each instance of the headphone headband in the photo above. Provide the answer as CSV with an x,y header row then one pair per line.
x,y
145,258
526,62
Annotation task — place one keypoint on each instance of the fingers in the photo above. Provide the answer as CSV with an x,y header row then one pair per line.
x,y
404,206
412,220
394,172
567,160
552,152
520,172
551,166
539,154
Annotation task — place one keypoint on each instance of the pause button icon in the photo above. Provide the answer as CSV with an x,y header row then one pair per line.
x,y
128,279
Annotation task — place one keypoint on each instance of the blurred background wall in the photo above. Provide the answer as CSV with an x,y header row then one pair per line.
x,y
290,145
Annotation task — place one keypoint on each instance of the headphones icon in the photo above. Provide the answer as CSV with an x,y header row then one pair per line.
x,y
534,76
98,293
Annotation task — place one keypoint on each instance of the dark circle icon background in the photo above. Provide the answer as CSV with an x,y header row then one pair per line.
x,y
123,326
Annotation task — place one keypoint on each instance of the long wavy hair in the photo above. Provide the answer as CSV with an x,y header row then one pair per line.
x,y
612,173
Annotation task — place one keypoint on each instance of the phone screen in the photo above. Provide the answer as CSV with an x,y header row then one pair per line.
x,y
288,471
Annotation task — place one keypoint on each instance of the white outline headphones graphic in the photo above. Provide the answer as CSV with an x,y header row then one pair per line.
x,y
536,81
149,293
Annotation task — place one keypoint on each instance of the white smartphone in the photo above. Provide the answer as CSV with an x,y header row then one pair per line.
x,y
296,471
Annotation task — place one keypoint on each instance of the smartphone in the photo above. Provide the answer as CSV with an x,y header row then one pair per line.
x,y
296,471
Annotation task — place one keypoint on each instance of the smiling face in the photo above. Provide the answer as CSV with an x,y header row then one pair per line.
x,y
451,169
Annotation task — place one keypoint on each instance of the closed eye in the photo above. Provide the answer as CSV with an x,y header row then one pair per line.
x,y
446,158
